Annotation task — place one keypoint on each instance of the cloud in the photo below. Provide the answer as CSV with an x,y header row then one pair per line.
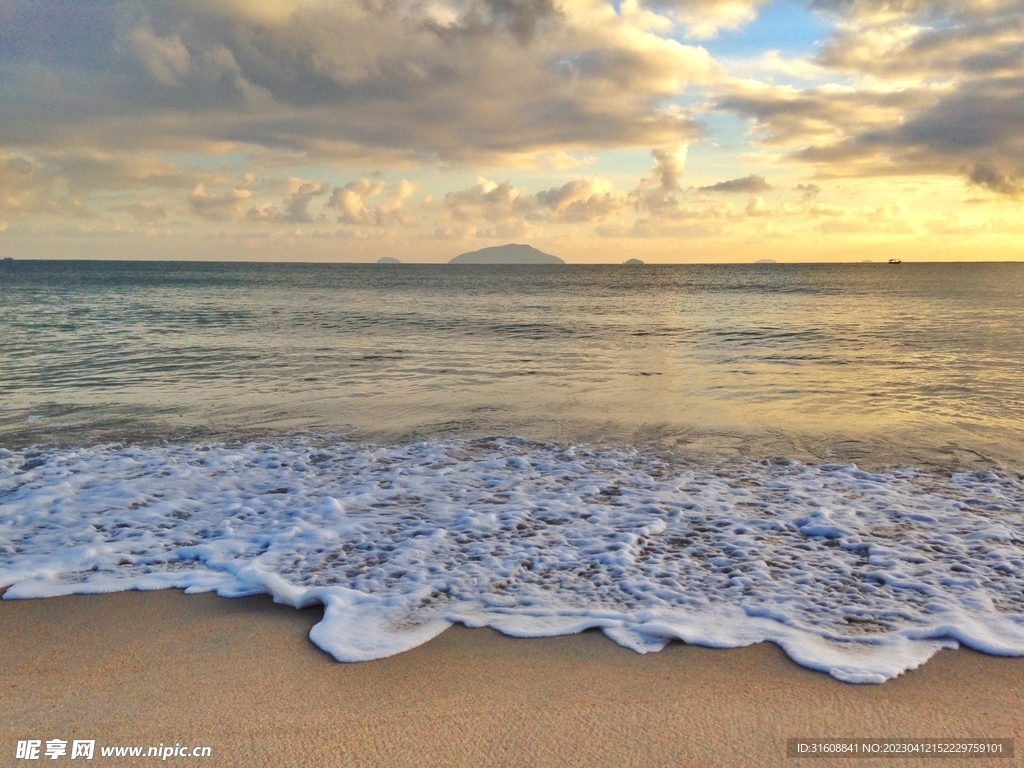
x,y
217,207
492,209
987,177
774,62
667,208
296,208
930,87
520,18
263,212
28,186
664,203
822,116
706,18
900,38
584,200
488,202
747,185
391,211
807,191
165,58
826,210
461,80
756,206
659,193
144,213
351,199
60,183
976,123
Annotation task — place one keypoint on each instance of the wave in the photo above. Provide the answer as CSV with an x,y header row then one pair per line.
x,y
860,574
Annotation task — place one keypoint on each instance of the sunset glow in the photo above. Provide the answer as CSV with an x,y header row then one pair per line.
x,y
667,130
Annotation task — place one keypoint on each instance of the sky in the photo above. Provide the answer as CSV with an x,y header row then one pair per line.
x,y
596,130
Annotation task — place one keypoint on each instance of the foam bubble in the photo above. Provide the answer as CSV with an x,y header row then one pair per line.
x,y
862,575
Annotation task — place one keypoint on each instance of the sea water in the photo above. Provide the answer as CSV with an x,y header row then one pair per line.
x,y
824,456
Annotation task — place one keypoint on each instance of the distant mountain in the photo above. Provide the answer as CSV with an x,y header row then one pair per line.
x,y
766,261
633,263
388,260
507,254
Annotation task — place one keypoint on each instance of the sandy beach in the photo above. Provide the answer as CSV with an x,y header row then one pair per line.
x,y
241,676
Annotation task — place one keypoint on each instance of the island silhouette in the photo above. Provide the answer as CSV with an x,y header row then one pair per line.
x,y
512,253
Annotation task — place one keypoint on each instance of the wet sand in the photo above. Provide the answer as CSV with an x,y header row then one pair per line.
x,y
242,677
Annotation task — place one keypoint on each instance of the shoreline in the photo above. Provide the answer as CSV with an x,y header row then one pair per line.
x,y
241,676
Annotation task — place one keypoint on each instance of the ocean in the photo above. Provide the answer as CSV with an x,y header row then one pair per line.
x,y
825,456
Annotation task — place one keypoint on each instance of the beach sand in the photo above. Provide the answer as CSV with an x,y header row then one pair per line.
x,y
242,677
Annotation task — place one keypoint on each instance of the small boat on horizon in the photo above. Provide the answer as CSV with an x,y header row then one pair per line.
x,y
895,261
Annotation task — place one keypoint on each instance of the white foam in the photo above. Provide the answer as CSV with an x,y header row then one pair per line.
x,y
863,575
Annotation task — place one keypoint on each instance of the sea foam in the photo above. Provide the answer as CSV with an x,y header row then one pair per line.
x,y
862,575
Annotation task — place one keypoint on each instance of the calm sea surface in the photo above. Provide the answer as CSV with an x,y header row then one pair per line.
x,y
878,364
